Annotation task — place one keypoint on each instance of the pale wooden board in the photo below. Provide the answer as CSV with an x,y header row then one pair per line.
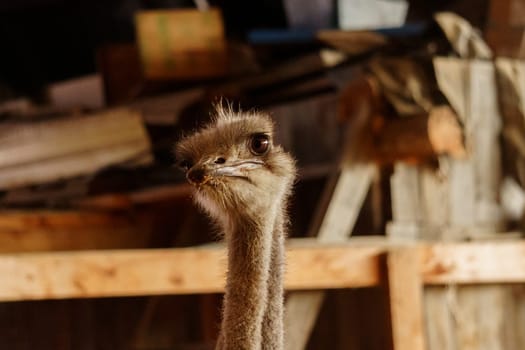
x,y
137,152
51,150
475,330
173,271
480,318
450,74
201,269
348,197
471,318
514,74
477,262
406,206
405,289
440,330
27,143
308,304
485,124
435,206
461,196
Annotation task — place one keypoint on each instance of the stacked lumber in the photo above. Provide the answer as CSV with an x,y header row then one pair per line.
x,y
51,150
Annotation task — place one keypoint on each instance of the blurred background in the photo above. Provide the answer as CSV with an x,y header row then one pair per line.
x,y
414,108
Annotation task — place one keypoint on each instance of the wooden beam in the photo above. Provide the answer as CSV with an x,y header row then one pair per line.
x,y
406,299
311,265
90,274
352,42
419,137
472,263
45,230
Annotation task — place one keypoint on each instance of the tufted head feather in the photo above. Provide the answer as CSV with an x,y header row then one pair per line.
x,y
234,164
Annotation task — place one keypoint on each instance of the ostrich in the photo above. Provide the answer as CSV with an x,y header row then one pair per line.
x,y
242,180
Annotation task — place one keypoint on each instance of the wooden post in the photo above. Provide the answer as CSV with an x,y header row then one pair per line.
x,y
406,299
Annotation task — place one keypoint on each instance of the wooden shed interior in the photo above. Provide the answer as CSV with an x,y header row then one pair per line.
x,y
407,122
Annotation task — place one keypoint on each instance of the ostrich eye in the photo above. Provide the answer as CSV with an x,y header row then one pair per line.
x,y
185,164
259,144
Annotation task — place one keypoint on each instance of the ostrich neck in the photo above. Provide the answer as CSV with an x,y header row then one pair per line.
x,y
253,298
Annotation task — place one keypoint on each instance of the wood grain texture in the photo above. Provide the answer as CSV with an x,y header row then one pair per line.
x,y
173,271
406,299
201,269
52,150
479,262
45,230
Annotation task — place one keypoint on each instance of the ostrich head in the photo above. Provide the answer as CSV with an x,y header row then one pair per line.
x,y
234,165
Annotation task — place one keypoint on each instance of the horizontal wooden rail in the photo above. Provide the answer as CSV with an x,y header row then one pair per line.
x,y
472,263
173,271
311,265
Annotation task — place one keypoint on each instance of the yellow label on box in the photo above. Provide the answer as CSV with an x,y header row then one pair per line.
x,y
181,43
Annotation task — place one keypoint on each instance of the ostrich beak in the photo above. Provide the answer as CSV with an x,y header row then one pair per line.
x,y
199,175
238,169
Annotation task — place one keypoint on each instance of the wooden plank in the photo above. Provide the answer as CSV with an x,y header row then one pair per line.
x,y
308,304
22,231
440,327
201,269
406,206
434,133
345,205
450,73
479,313
46,151
435,204
406,299
352,42
485,126
479,262
23,143
90,274
135,152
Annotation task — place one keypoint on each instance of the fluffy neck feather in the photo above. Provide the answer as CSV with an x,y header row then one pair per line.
x,y
253,303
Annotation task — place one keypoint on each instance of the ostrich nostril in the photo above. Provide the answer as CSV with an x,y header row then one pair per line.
x,y
220,160
196,176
